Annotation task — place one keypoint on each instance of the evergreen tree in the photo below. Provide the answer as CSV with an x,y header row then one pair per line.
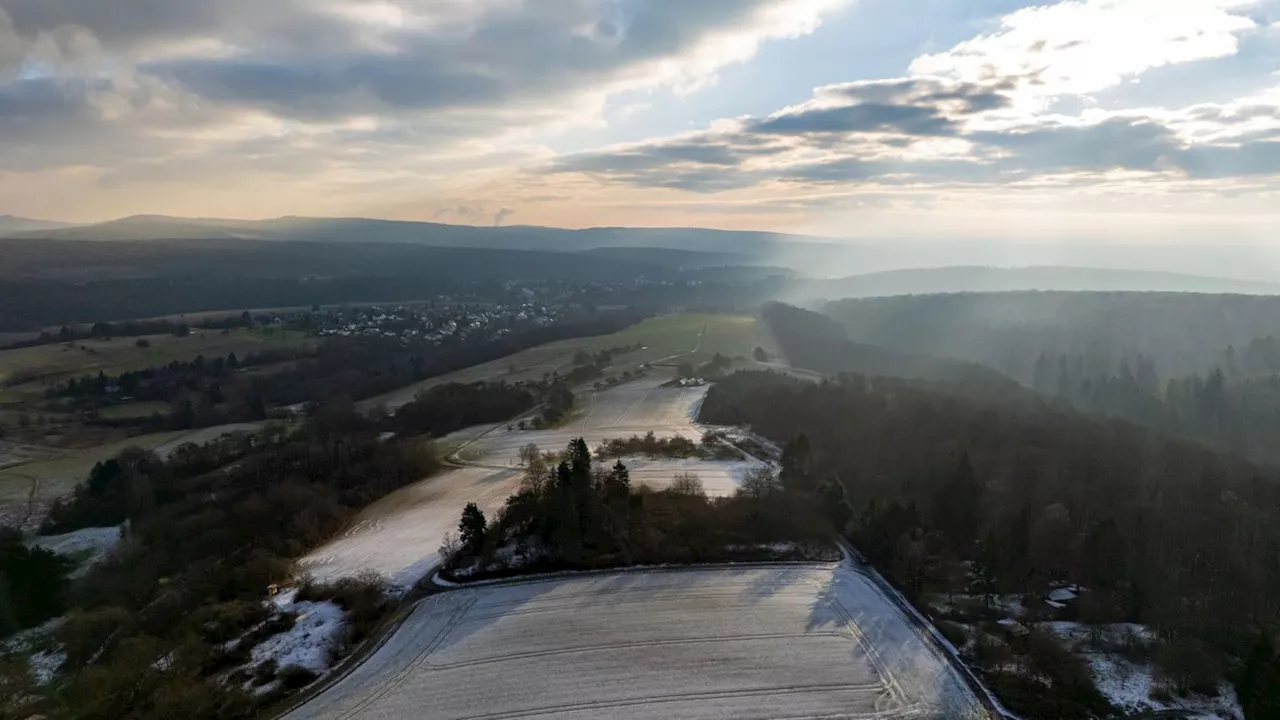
x,y
472,527
797,465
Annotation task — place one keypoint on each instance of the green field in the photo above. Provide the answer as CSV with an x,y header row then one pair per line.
x,y
50,363
667,339
57,476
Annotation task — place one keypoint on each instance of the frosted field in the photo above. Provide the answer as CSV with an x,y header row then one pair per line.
x,y
399,535
814,641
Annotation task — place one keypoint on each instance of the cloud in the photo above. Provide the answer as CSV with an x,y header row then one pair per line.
x,y
1079,47
378,78
978,116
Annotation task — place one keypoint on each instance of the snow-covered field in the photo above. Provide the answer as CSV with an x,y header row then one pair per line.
x,y
95,543
741,643
205,436
399,536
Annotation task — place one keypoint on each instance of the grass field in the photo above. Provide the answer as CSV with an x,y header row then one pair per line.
x,y
57,476
47,363
668,338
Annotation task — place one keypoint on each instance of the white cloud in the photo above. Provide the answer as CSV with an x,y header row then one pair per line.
x,y
1079,47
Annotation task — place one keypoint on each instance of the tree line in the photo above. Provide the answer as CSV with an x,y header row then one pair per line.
x,y
571,512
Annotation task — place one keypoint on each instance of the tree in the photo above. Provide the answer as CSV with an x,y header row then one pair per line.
x,y
958,513
687,484
472,527
1259,684
797,465
619,482
759,483
760,355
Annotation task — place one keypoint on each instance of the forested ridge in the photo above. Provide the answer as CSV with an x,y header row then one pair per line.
x,y
1184,333
1202,367
1162,532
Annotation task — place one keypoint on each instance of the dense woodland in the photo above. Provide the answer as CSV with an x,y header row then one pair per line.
x,y
945,492
1202,367
1182,333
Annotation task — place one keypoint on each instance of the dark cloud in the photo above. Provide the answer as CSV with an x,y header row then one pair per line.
x,y
1114,144
861,118
906,106
302,60
1246,159
864,137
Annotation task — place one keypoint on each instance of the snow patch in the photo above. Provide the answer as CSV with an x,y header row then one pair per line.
x,y
311,642
97,542
1129,686
45,665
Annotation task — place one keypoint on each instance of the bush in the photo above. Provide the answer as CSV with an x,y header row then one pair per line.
x,y
953,632
265,672
293,677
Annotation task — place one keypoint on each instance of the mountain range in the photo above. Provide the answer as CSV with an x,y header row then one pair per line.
x,y
852,268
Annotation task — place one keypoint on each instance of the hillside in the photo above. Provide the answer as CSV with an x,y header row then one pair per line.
x,y
979,279
1182,332
11,224
815,342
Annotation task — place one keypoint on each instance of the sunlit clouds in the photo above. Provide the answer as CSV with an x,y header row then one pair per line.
x,y
1072,111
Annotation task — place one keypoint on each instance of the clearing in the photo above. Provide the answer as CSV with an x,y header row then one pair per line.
x,y
33,482
716,643
669,339
399,535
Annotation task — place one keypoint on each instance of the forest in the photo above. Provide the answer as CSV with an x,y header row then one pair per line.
x,y
944,492
1202,367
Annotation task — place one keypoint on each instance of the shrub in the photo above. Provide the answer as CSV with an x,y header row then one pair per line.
x,y
293,677
953,632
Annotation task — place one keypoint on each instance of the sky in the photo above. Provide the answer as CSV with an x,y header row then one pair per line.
x,y
1098,120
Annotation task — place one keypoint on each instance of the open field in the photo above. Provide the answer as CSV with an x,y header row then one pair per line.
x,y
130,411
58,361
810,641
28,480
400,534
693,337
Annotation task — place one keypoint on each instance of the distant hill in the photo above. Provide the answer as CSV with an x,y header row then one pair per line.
x,y
526,237
1182,332
11,224
816,342
851,268
933,281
